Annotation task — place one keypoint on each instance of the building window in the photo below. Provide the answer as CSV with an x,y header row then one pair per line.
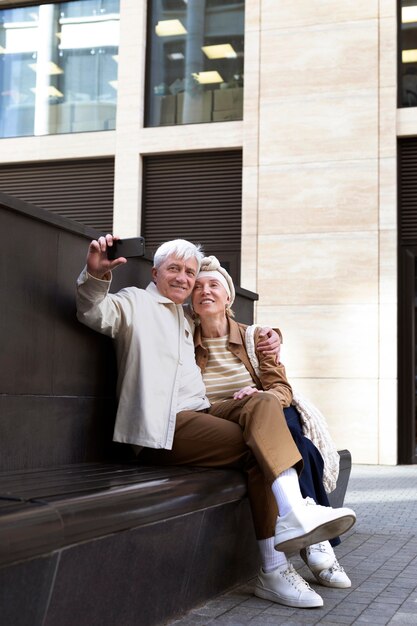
x,y
58,68
407,82
194,61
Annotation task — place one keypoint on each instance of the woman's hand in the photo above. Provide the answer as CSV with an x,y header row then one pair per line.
x,y
245,391
98,265
271,344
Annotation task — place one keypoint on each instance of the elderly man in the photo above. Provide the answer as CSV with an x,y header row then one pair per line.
x,y
163,408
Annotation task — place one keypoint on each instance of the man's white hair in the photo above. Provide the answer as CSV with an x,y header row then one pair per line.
x,y
180,248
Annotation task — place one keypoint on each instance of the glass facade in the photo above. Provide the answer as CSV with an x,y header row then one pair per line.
x,y
58,68
407,79
194,61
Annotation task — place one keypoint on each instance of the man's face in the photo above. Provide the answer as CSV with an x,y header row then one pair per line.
x,y
175,278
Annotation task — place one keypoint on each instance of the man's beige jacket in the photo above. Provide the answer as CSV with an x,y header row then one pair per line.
x,y
143,324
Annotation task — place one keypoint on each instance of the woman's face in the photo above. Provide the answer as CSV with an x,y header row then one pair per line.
x,y
209,297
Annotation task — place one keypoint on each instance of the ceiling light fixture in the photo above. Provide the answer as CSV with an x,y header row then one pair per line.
x,y
50,91
101,33
49,68
169,28
409,14
220,51
409,56
206,78
175,56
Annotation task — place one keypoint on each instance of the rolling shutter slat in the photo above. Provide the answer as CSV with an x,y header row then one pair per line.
x,y
407,330
407,190
196,196
79,190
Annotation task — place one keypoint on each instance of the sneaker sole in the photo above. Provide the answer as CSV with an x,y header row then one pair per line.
x,y
326,531
266,594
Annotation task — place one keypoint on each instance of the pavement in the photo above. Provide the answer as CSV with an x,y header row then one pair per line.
x,y
379,554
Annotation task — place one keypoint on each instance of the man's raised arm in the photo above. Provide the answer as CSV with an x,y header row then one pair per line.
x,y
96,308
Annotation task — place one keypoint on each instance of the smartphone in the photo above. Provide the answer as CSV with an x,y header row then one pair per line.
x,y
126,247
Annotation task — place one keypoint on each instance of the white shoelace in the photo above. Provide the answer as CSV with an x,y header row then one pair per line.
x,y
334,569
294,578
318,547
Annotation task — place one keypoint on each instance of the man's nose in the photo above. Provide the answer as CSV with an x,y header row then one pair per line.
x,y
182,277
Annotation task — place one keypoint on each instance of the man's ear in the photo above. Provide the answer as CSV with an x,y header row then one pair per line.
x,y
154,273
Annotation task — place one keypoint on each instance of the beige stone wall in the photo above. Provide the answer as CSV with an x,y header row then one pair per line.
x,y
323,243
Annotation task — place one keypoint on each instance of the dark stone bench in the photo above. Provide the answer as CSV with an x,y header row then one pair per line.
x,y
337,497
101,543
86,536
105,544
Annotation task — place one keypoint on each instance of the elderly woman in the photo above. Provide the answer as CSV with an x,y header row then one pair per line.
x,y
227,372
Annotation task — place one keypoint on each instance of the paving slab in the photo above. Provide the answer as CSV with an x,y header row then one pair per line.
x,y
379,553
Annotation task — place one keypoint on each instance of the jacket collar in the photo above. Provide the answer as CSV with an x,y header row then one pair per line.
x,y
152,289
234,332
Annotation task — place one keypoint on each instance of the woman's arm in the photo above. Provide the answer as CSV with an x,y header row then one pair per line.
x,y
272,375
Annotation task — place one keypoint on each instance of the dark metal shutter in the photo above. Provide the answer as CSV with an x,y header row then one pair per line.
x,y
195,196
407,289
407,191
80,190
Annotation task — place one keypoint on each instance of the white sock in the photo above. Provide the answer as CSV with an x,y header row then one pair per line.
x,y
271,558
286,490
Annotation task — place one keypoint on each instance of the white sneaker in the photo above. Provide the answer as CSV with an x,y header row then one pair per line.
x,y
319,556
321,560
334,576
305,525
285,586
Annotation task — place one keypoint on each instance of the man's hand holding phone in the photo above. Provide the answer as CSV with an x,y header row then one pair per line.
x,y
98,263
